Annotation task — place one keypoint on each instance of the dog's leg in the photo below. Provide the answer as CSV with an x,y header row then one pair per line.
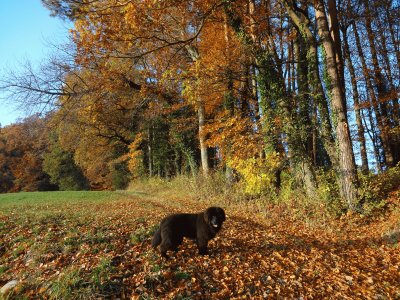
x,y
166,244
202,245
164,251
178,241
156,238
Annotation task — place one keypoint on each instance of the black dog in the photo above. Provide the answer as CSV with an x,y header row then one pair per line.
x,y
201,227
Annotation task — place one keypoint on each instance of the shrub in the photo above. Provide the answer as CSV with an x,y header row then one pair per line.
x,y
60,166
328,192
120,176
258,174
375,188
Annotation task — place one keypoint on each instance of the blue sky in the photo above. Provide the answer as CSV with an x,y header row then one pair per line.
x,y
26,28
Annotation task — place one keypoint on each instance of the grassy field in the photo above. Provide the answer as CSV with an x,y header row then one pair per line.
x,y
65,244
91,245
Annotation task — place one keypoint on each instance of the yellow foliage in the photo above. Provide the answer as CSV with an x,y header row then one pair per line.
x,y
258,173
234,136
134,155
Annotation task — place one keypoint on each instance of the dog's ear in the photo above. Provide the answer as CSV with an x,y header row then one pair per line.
x,y
222,213
207,215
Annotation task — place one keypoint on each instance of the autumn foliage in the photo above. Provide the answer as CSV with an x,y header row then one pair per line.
x,y
274,94
285,113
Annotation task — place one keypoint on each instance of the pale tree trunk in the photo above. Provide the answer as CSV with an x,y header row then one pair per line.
x,y
337,47
360,127
229,102
254,87
200,106
202,138
347,170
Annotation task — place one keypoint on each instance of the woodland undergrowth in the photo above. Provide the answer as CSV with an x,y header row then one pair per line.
x,y
378,194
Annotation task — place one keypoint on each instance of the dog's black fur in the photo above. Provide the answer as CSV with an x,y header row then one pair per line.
x,y
201,227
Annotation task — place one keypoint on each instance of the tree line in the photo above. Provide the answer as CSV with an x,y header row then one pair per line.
x,y
254,88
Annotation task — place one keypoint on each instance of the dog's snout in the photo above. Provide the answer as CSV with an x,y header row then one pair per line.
x,y
214,221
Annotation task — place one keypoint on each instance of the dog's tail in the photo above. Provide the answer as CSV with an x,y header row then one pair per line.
x,y
156,238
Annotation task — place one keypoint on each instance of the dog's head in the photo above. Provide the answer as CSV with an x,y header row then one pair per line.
x,y
214,217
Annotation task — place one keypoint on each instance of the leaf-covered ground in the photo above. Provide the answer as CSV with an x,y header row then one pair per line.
x,y
97,245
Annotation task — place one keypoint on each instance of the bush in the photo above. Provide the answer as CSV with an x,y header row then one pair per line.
x,y
328,192
291,197
120,176
60,166
258,174
376,188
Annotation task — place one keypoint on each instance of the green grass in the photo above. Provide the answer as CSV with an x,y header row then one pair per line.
x,y
3,269
48,198
72,233
69,285
142,233
55,208
182,275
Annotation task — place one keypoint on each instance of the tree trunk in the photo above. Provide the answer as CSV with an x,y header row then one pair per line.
x,y
360,127
380,85
150,151
381,126
373,137
202,137
302,24
269,97
253,72
201,112
337,47
229,97
395,40
347,169
385,86
388,71
304,127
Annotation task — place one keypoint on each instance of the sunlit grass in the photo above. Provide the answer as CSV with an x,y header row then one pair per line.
x,y
52,232
49,198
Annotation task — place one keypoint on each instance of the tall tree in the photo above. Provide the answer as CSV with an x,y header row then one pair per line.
x,y
378,79
347,169
356,101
